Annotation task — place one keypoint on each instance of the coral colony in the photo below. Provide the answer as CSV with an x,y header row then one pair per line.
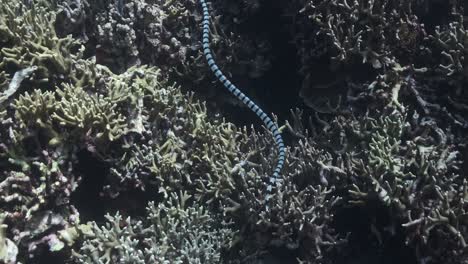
x,y
117,146
275,178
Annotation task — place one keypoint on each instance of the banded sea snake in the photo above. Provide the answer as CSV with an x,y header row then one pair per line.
x,y
275,179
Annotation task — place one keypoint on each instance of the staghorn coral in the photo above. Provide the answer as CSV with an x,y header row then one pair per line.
x,y
299,220
103,113
174,231
8,249
92,113
52,125
372,31
365,42
130,33
58,124
445,85
272,127
451,40
175,139
43,129
408,165
26,197
180,148
395,143
36,179
30,41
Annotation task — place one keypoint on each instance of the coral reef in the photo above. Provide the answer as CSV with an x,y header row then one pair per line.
x,y
175,231
386,40
131,33
388,147
29,41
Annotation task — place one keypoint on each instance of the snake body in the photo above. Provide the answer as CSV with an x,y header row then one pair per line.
x,y
275,179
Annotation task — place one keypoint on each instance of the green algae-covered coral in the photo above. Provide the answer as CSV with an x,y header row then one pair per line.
x,y
174,231
102,113
29,39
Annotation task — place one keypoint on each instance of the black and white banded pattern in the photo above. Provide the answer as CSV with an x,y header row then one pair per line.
x,y
275,179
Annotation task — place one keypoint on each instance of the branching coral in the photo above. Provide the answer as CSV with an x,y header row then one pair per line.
x,y
30,41
175,140
396,144
175,231
394,42
8,249
26,196
408,165
45,128
50,129
452,40
130,33
362,28
92,113
180,148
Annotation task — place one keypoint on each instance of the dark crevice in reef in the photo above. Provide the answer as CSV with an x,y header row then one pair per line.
x,y
372,237
87,198
276,91
48,257
435,12
279,255
129,203
90,202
